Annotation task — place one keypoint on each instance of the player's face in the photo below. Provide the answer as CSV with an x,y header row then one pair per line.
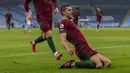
x,y
69,12
98,9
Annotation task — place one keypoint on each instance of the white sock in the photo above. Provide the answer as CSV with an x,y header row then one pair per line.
x,y
72,64
33,42
55,53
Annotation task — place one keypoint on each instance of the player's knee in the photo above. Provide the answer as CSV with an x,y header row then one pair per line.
x,y
43,35
108,63
48,34
98,66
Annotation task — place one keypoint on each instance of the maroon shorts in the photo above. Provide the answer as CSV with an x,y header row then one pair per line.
x,y
84,52
45,25
8,21
99,20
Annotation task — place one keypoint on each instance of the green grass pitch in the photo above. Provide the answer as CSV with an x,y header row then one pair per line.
x,y
16,55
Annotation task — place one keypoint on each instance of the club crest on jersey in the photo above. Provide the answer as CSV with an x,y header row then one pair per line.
x,y
61,26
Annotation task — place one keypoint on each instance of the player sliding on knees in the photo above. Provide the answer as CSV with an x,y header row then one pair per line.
x,y
69,32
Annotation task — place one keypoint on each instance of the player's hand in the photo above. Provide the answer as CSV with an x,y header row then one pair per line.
x,y
56,11
29,17
78,17
70,51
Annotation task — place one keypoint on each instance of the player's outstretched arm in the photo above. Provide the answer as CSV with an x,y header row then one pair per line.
x,y
65,43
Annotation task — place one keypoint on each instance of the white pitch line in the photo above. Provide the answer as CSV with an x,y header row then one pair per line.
x,y
28,54
59,51
115,46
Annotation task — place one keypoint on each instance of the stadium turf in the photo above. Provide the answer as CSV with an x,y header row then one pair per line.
x,y
16,55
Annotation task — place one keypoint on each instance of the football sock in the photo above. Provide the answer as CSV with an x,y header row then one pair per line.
x,y
28,28
51,44
55,53
97,26
85,64
39,39
8,27
73,64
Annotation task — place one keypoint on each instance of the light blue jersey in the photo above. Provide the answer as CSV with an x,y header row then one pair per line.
x,y
28,23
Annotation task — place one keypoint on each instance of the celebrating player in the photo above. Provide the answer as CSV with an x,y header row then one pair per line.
x,y
89,58
44,16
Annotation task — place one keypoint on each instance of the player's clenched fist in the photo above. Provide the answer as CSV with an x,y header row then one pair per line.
x,y
56,11
70,51
29,17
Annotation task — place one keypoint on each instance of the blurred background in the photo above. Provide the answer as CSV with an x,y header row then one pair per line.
x,y
116,13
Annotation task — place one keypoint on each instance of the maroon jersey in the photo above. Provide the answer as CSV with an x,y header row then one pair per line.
x,y
76,14
73,33
8,16
43,7
75,37
99,15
